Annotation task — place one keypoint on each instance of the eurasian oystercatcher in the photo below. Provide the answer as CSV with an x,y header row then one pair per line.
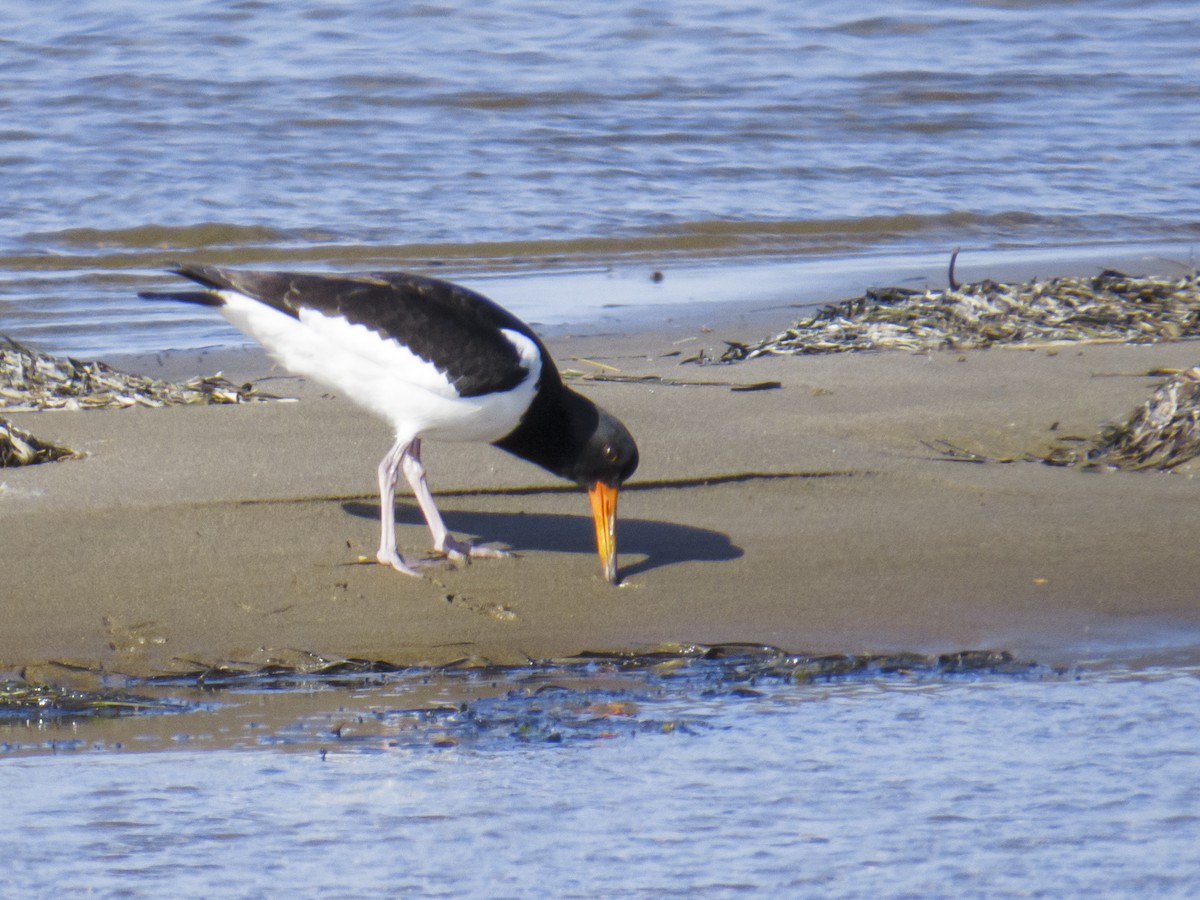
x,y
436,360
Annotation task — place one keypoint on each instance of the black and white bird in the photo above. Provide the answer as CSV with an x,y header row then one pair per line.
x,y
435,360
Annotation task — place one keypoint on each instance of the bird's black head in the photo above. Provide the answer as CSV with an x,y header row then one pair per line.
x,y
609,454
570,436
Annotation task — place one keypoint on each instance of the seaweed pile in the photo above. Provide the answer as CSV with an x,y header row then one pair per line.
x,y
1162,433
1109,307
32,381
20,448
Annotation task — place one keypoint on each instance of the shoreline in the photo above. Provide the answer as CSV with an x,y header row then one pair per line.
x,y
739,294
815,518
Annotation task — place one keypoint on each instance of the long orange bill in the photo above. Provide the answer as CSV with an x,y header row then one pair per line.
x,y
604,515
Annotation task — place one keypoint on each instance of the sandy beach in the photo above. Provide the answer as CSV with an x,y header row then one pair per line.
x,y
812,517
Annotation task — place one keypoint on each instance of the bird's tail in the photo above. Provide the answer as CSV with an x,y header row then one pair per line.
x,y
203,298
206,275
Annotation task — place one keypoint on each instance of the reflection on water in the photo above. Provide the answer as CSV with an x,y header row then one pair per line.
x,y
676,778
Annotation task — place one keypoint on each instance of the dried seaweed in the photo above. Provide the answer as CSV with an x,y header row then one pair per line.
x,y
1162,433
31,381
1111,306
19,448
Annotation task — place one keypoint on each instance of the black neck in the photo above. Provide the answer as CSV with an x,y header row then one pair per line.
x,y
556,426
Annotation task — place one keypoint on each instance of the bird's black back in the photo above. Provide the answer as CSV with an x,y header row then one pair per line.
x,y
456,329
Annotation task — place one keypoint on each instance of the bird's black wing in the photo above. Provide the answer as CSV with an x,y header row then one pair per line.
x,y
456,329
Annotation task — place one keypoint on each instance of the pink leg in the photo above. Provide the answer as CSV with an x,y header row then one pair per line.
x,y
389,469
443,542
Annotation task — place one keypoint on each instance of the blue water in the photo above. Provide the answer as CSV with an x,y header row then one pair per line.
x,y
1059,785
547,136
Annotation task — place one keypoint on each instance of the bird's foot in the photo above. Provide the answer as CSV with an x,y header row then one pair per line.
x,y
464,550
393,559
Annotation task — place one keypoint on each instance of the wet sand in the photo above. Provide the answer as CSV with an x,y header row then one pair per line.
x,y
811,517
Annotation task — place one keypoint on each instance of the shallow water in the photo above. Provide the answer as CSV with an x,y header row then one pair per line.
x,y
545,136
1032,783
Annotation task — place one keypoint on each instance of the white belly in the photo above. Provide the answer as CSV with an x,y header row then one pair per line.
x,y
384,376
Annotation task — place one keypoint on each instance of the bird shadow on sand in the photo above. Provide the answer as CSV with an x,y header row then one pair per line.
x,y
661,543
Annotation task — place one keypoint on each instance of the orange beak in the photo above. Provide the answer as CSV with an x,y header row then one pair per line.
x,y
604,515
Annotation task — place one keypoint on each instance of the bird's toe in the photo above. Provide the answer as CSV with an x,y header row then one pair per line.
x,y
394,560
462,550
